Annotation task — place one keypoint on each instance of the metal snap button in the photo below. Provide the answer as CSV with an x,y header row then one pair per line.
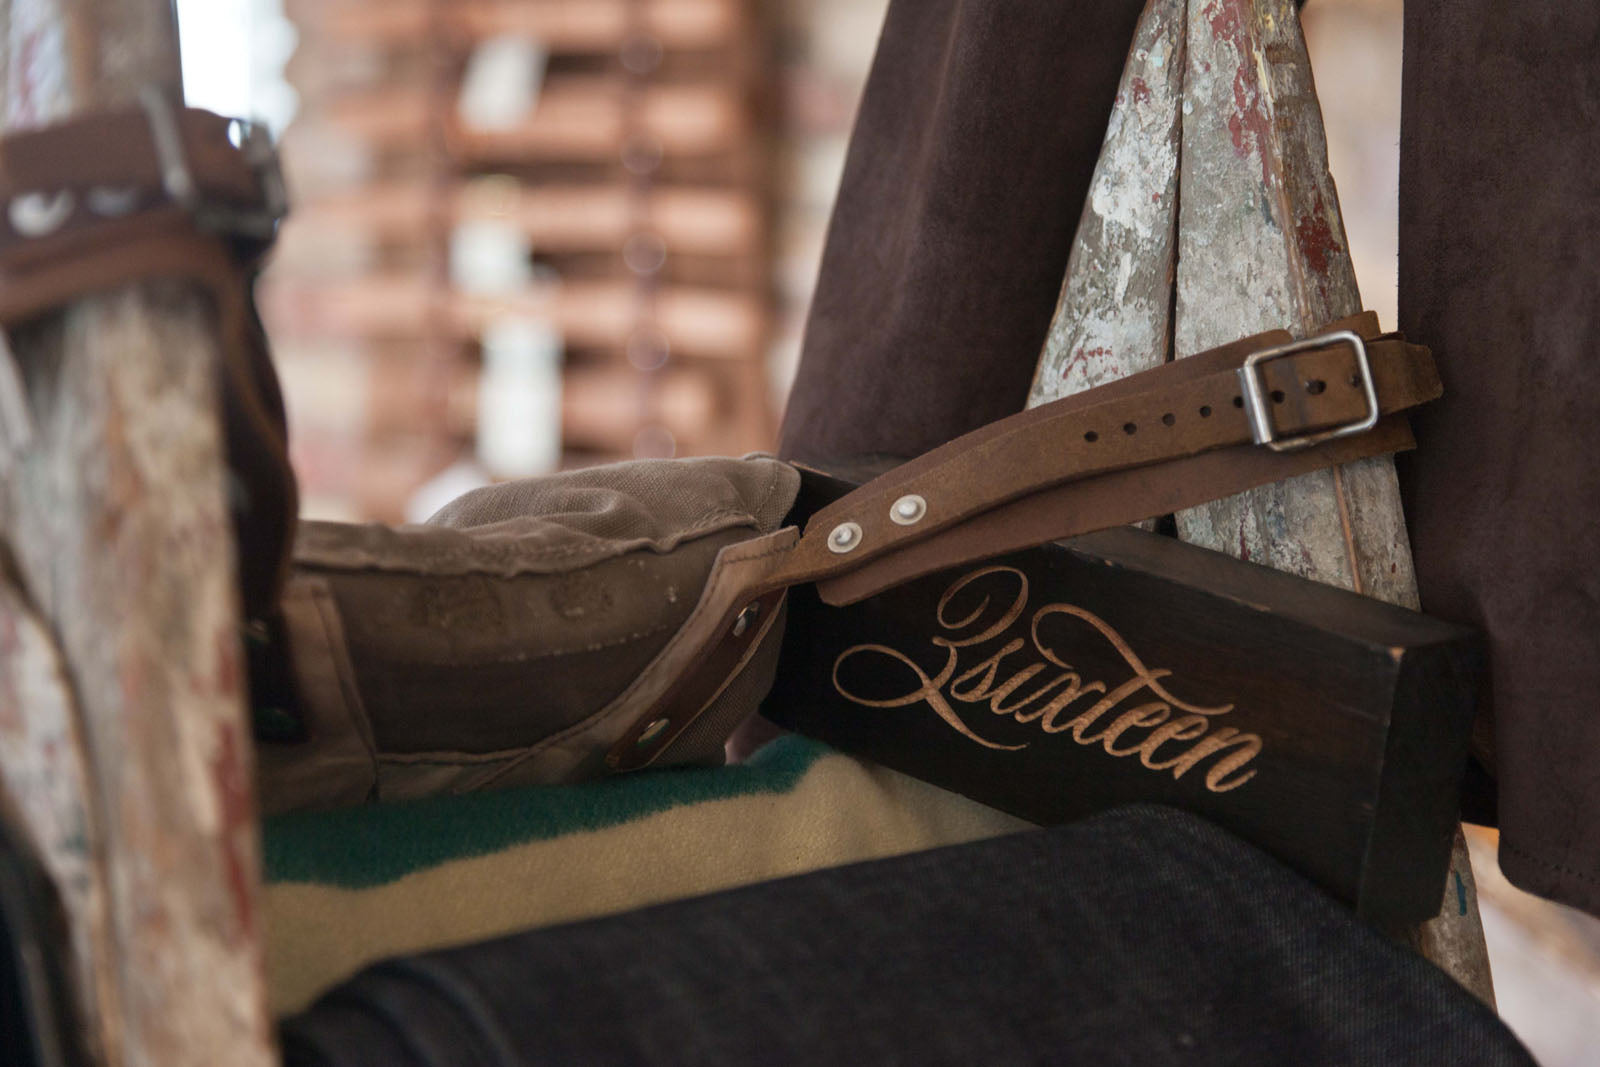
x,y
651,732
38,214
844,538
908,510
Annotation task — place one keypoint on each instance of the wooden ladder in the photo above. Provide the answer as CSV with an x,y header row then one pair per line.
x,y
1211,216
123,739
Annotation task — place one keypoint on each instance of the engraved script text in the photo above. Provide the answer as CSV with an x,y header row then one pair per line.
x,y
1040,686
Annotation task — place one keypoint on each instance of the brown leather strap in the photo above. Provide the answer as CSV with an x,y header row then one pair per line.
x,y
1149,444
1101,502
119,197
1181,409
116,150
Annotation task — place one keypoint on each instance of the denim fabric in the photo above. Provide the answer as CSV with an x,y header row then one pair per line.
x,y
1142,937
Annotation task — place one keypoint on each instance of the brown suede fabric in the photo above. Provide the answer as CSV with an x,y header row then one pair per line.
x,y
968,168
1500,274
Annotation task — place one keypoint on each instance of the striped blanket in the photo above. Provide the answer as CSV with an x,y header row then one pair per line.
x,y
348,887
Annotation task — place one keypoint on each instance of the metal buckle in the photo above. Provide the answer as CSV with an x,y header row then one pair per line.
x,y
177,177
1259,410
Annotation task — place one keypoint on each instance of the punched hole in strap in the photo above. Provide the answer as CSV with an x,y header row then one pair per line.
x,y
1262,430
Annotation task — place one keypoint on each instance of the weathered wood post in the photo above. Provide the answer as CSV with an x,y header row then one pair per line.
x,y
1261,244
115,512
1243,235
44,783
1114,318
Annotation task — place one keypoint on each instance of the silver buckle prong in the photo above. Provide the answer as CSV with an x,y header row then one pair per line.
x,y
1259,411
177,177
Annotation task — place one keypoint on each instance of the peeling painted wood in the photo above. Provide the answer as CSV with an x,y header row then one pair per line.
x,y
44,780
1261,245
1113,318
116,515
1251,238
1454,942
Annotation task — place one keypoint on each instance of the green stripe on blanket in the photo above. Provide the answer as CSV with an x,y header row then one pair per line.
x,y
358,848
348,888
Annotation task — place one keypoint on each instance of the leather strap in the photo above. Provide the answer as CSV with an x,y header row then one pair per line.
x,y
1155,442
1153,429
118,197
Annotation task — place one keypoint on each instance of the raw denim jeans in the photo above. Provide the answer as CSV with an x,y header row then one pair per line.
x,y
1142,937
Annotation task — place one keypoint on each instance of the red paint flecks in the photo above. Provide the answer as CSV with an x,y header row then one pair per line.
x,y
26,109
1082,356
1315,237
236,834
227,679
1249,125
1141,91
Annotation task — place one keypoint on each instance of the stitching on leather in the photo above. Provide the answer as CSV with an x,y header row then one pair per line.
x,y
778,468
623,699
454,759
338,650
580,650
734,554
338,559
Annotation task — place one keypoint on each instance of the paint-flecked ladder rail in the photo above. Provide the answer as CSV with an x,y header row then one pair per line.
x,y
124,750
1212,215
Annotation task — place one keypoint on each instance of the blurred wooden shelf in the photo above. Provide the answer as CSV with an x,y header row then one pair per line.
x,y
574,26
639,145
577,117
604,314
601,407
555,218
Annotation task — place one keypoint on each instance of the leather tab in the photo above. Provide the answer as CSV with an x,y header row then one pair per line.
x,y
743,628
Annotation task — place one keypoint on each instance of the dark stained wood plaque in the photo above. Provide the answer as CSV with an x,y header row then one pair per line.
x,y
1328,728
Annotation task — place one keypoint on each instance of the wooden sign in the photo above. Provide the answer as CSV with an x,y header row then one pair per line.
x,y
1328,728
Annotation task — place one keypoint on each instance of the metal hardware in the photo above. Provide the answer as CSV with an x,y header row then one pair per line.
x,y
746,617
177,177
38,214
908,510
651,732
844,538
112,203
1258,408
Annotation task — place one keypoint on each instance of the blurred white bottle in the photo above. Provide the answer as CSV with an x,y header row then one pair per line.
x,y
519,398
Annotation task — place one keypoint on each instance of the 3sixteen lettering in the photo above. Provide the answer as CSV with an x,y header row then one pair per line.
x,y
1165,733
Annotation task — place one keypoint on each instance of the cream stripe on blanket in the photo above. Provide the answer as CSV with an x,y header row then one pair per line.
x,y
350,887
